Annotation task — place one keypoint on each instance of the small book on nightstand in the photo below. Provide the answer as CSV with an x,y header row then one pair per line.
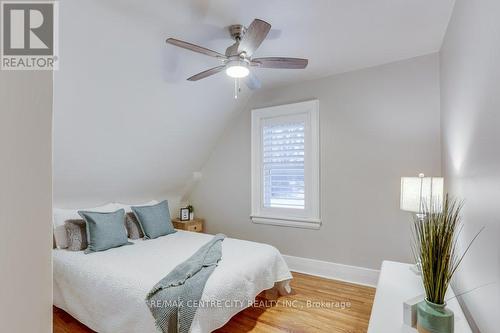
x,y
195,225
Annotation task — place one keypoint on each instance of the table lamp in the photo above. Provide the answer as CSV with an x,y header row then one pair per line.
x,y
417,196
419,193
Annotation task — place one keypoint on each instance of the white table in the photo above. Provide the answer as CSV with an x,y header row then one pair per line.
x,y
396,284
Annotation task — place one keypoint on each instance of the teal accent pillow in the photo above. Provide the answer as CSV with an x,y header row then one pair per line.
x,y
154,220
105,230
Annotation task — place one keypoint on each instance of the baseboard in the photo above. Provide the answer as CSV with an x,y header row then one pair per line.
x,y
330,270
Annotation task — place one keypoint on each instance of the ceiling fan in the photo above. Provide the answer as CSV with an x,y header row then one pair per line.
x,y
237,60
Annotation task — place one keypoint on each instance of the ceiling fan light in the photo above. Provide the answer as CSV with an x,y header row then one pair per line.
x,y
237,70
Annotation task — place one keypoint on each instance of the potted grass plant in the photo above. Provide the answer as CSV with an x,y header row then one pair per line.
x,y
435,236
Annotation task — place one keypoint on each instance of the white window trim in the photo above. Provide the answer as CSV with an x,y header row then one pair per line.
x,y
310,217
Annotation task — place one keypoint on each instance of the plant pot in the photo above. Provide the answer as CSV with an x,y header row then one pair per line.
x,y
434,318
191,216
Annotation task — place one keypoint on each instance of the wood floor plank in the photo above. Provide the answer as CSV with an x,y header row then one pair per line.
x,y
315,305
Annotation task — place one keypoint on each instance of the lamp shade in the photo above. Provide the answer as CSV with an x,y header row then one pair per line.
x,y
420,192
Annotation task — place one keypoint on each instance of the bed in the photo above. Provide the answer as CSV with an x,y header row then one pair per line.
x,y
106,290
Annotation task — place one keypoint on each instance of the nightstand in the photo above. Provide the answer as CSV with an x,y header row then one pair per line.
x,y
195,225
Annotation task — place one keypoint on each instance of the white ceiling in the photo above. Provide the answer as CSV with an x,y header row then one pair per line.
x,y
335,35
128,124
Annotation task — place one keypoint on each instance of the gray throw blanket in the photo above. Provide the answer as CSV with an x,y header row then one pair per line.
x,y
173,300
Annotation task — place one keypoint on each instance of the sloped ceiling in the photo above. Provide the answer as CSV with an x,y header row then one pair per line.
x,y
127,125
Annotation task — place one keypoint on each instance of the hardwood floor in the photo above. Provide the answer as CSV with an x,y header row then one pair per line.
x,y
64,323
316,305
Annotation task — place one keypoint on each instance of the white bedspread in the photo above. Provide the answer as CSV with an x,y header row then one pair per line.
x,y
106,290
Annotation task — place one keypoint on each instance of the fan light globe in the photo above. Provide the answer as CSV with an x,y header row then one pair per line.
x,y
237,70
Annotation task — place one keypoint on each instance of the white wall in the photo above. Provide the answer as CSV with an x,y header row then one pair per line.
x,y
25,201
377,125
470,97
127,125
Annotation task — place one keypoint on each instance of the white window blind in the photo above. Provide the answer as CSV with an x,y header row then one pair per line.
x,y
283,165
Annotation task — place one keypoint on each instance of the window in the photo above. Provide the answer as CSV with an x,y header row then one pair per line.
x,y
285,165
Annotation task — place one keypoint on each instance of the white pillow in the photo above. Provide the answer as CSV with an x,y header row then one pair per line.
x,y
128,208
61,215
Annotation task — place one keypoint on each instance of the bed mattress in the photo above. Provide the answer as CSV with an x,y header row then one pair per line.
x,y
106,290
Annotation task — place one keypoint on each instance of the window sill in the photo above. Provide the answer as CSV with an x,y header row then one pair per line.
x,y
303,223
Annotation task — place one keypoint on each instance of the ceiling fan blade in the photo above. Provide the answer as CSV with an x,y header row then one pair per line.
x,y
252,81
206,73
254,36
279,62
195,48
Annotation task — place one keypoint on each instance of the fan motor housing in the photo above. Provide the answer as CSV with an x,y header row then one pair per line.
x,y
237,31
